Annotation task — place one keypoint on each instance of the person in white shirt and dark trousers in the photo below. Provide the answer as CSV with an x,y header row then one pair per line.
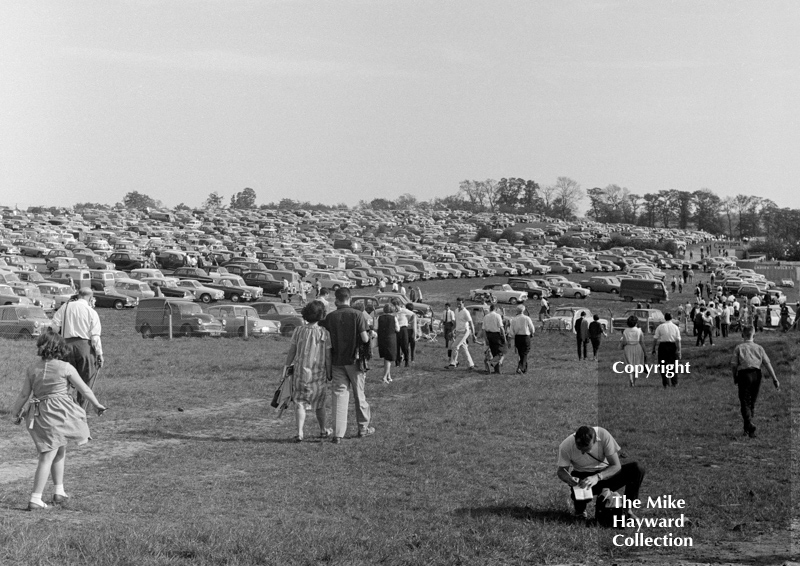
x,y
79,324
522,329
667,339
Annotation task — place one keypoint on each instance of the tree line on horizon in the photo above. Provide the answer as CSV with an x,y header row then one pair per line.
x,y
742,217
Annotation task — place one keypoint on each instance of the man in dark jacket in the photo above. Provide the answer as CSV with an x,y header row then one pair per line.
x,y
582,334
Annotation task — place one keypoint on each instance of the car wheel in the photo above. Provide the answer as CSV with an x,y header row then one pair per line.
x,y
24,334
513,300
287,330
234,298
147,332
335,287
627,299
614,292
578,295
186,330
507,273
538,272
595,270
119,305
205,298
240,332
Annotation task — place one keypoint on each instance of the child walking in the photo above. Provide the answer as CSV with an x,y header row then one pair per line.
x,y
53,418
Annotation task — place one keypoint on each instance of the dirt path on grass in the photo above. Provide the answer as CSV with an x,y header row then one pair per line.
x,y
119,439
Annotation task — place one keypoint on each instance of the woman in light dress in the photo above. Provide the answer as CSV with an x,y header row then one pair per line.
x,y
310,359
632,345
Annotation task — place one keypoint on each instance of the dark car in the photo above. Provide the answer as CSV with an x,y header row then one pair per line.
x,y
527,285
266,281
195,273
602,284
281,312
113,299
126,261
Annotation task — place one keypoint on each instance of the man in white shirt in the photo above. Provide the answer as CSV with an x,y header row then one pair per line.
x,y
544,311
523,330
725,316
667,339
590,459
79,324
464,329
495,335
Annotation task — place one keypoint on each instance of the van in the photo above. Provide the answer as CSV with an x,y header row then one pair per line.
x,y
336,262
101,278
346,244
649,290
153,318
80,277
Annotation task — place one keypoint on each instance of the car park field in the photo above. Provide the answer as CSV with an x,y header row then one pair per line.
x,y
191,465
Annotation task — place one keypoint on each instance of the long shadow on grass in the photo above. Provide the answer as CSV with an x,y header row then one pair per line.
x,y
516,512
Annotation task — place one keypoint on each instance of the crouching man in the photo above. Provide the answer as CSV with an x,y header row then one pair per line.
x,y
589,459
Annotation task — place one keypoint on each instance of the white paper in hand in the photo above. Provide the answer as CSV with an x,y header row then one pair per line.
x,y
582,494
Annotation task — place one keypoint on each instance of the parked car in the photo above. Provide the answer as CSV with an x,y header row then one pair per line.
x,y
134,288
23,321
233,317
602,284
201,292
559,267
649,320
9,297
55,263
126,260
554,291
167,287
269,285
153,318
110,298
279,312
770,316
327,279
572,289
502,293
503,269
565,316
529,286
33,249
786,283
195,273
59,293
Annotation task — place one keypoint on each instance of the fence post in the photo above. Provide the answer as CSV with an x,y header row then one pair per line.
x,y
170,321
246,326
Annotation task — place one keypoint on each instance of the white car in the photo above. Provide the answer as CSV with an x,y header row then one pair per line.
x,y
501,293
328,280
572,289
200,292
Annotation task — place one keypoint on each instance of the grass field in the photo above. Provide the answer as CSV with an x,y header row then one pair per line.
x,y
191,466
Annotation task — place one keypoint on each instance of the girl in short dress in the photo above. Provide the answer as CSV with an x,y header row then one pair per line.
x,y
53,419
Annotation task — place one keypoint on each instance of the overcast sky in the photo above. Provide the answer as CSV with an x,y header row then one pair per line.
x,y
356,99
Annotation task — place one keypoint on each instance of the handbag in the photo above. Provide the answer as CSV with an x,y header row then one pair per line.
x,y
287,371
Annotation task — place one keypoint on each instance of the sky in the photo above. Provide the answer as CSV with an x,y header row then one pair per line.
x,y
349,100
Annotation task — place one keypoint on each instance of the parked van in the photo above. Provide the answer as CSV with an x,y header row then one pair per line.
x,y
649,290
80,277
336,262
188,319
101,278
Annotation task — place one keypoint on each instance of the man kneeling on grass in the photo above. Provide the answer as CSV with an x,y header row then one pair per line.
x,y
589,459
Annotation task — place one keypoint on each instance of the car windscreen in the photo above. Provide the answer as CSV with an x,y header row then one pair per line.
x,y
31,313
284,309
190,309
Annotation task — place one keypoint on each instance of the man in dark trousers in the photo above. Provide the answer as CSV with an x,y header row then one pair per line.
x,y
348,330
79,324
667,341
582,334
590,459
748,358
595,332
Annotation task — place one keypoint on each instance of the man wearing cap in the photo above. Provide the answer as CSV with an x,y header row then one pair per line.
x,y
79,324
522,329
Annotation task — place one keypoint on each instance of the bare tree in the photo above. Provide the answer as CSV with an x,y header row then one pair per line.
x,y
568,194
